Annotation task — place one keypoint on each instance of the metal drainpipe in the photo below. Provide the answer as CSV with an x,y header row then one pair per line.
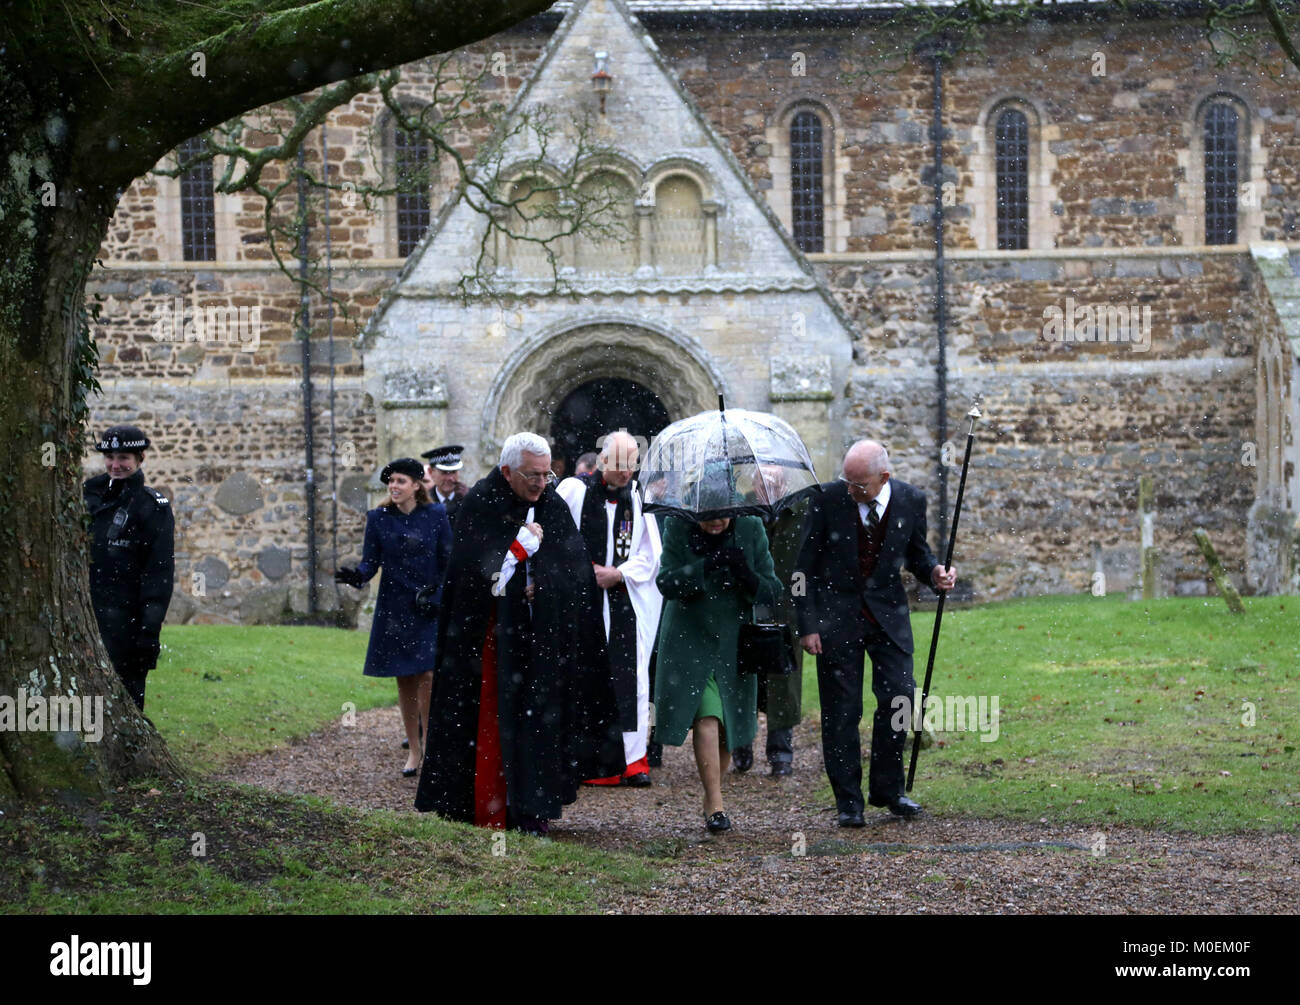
x,y
940,302
304,331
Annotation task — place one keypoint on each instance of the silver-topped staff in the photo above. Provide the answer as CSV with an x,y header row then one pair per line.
x,y
973,415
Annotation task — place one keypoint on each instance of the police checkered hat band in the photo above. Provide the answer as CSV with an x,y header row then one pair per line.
x,y
446,458
122,439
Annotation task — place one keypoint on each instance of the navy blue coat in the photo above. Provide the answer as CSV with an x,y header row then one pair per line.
x,y
413,549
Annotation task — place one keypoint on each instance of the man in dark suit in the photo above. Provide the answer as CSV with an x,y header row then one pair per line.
x,y
860,532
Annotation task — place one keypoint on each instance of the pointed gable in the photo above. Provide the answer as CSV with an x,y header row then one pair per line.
x,y
663,146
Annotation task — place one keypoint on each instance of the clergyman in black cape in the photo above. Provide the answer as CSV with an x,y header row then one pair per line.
x,y
523,706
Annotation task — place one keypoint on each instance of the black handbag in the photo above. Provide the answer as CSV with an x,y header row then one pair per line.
x,y
764,649
426,602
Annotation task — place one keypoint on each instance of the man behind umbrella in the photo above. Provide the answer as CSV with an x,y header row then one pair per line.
x,y
523,707
131,564
623,545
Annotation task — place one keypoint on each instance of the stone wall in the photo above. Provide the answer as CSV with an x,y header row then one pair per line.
x,y
229,456
1120,139
1070,426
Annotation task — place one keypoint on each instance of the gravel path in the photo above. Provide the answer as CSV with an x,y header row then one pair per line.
x,y
786,854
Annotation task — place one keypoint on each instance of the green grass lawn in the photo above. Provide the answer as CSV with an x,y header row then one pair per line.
x,y
1117,712
1111,712
221,691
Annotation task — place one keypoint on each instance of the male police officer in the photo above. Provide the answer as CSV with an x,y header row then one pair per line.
x,y
444,467
130,557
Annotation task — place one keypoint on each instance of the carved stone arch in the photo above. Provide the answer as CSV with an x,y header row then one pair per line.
x,y
665,237
813,101
981,198
522,257
1252,185
992,107
696,170
537,376
616,252
516,171
617,162
835,167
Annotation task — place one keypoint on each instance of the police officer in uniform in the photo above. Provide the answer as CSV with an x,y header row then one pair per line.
x,y
131,564
445,464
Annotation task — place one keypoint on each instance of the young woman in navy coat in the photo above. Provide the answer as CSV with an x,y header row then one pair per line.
x,y
410,538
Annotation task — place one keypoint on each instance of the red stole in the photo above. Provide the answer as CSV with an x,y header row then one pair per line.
x,y
489,773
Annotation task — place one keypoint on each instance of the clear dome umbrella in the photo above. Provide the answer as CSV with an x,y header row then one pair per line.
x,y
724,463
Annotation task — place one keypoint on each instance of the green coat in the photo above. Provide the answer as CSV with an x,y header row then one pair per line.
x,y
697,637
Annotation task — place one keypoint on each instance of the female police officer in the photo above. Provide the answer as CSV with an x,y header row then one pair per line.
x,y
130,557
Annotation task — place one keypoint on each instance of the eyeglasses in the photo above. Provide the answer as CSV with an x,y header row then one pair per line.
x,y
855,485
548,478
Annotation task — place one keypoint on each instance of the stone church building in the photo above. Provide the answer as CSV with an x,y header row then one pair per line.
x,y
1117,286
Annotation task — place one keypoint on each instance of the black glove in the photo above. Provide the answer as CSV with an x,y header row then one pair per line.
x,y
349,577
740,569
716,560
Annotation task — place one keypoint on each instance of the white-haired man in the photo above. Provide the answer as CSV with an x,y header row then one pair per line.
x,y
623,546
860,532
522,708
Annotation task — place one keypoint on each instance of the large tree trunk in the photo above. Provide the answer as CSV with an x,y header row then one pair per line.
x,y
49,641
92,94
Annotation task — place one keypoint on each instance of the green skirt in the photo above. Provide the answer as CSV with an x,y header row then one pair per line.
x,y
710,702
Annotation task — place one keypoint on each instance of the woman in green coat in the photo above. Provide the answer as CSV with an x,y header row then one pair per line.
x,y
710,574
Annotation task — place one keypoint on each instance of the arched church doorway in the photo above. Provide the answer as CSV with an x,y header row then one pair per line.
x,y
601,406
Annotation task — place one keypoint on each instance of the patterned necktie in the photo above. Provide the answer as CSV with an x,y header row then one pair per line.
x,y
873,521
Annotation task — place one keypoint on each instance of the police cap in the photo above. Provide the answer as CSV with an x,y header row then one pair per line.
x,y
122,440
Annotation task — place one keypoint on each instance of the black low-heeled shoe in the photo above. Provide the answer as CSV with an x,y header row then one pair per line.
x,y
410,772
717,823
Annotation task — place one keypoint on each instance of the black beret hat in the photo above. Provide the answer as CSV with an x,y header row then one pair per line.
x,y
122,440
408,466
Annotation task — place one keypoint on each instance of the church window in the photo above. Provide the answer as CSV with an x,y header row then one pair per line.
x,y
609,246
679,230
198,207
533,217
1012,161
1221,172
411,169
807,164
